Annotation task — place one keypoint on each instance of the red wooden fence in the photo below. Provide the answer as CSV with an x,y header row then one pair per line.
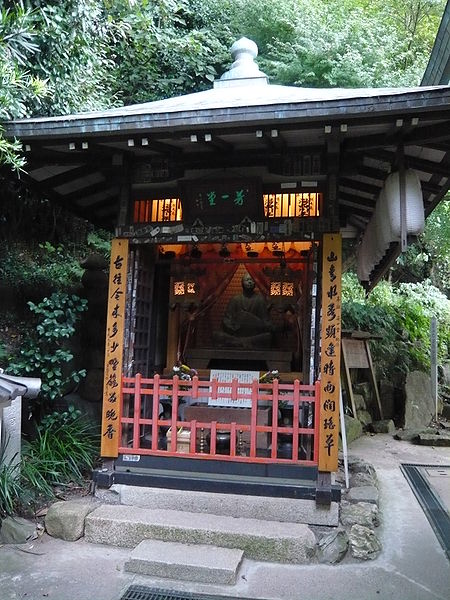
x,y
153,408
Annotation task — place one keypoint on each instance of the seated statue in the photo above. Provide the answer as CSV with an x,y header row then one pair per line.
x,y
246,322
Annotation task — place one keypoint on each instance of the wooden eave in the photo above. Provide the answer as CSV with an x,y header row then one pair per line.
x,y
103,147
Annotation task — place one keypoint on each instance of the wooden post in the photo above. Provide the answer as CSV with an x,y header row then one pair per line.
x,y
434,370
402,194
330,356
112,383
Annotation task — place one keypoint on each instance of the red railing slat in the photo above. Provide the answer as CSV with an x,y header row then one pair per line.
x,y
244,439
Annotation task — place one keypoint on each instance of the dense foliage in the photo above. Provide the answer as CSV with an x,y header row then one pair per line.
x,y
43,353
429,257
401,315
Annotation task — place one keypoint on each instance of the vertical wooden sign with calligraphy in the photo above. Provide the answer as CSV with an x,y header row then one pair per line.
x,y
112,382
330,357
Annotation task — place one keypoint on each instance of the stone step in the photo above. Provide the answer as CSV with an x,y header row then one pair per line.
x,y
188,562
288,510
127,526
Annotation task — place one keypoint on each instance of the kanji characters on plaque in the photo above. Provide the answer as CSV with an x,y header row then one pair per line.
x,y
330,353
114,348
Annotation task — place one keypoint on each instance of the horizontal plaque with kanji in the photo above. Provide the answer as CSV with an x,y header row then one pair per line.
x,y
224,201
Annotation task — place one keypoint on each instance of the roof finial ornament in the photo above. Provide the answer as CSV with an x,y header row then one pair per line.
x,y
244,70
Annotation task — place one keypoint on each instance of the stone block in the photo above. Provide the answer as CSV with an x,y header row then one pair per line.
x,y
353,429
364,493
434,439
384,426
407,435
200,563
333,546
360,403
365,389
364,417
419,403
127,526
361,513
10,431
364,479
289,510
16,530
65,520
358,465
364,543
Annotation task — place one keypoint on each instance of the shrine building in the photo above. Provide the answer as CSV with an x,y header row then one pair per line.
x,y
202,191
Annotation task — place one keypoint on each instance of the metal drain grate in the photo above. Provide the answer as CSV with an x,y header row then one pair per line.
x,y
141,592
434,509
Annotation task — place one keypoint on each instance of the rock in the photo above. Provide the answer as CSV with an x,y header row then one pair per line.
x,y
91,387
333,547
387,398
384,426
94,332
446,411
364,417
361,513
407,435
364,543
363,479
364,493
358,465
365,389
360,403
94,262
353,429
95,358
434,439
445,374
94,280
65,520
419,404
16,530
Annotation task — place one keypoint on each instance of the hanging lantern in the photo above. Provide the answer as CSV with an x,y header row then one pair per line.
x,y
251,253
282,287
277,250
184,290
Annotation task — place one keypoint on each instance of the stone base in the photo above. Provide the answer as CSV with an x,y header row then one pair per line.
x,y
187,562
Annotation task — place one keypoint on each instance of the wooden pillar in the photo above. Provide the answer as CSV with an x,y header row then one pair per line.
x,y
333,154
330,356
112,383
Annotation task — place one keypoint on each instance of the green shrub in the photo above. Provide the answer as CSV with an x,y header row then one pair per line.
x,y
99,240
64,451
44,266
401,314
41,354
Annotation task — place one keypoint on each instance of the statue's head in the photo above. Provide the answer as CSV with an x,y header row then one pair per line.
x,y
248,283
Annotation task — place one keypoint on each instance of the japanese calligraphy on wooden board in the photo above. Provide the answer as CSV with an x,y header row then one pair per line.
x,y
330,352
114,348
224,201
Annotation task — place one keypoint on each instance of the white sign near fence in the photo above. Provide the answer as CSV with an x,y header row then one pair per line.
x,y
228,376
